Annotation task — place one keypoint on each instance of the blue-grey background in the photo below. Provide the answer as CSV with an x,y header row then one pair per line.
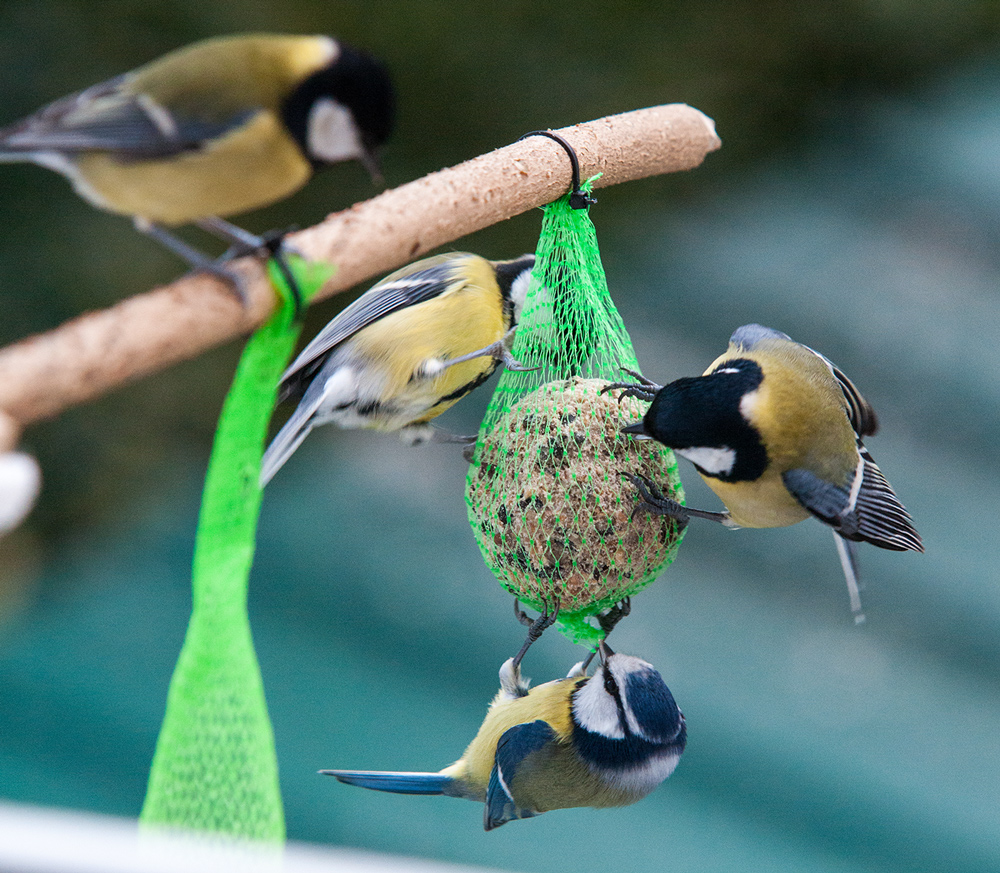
x,y
855,204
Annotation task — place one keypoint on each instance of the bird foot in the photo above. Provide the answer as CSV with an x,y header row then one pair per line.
x,y
644,389
653,500
536,627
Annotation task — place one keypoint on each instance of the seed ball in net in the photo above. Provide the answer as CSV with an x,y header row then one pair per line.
x,y
553,513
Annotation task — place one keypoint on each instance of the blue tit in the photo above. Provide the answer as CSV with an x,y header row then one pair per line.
x,y
409,348
775,430
607,740
217,128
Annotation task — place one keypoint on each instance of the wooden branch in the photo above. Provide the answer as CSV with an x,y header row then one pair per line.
x,y
90,355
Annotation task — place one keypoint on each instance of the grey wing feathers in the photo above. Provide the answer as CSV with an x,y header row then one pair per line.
x,y
107,118
516,744
869,511
384,298
828,502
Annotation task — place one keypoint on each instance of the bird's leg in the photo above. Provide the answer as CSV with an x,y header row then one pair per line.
x,y
645,389
653,500
499,351
243,242
198,261
608,621
417,434
536,627
443,436
466,440
512,683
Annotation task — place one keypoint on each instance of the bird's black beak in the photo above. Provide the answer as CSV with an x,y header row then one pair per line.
x,y
637,429
370,161
604,650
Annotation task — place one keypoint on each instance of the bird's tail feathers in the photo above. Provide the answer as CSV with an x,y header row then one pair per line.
x,y
867,511
882,520
288,439
396,782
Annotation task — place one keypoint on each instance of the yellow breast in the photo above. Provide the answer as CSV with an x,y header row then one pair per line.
x,y
548,702
215,80
762,503
463,319
251,167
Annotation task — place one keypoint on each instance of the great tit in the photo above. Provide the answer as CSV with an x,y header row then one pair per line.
x,y
775,430
213,129
607,740
406,350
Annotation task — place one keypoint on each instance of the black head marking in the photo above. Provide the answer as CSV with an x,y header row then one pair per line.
x,y
355,80
508,271
704,412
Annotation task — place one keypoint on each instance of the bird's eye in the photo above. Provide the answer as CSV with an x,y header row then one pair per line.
x,y
729,370
609,684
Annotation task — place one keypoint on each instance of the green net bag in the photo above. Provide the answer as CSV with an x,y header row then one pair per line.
x,y
215,770
551,511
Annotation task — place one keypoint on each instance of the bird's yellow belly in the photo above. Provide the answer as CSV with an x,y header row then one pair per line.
x,y
251,167
764,503
440,329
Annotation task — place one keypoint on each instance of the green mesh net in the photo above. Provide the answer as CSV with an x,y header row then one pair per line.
x,y
215,768
547,501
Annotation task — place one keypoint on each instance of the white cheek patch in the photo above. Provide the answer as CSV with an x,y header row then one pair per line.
x,y
718,462
519,292
331,134
596,711
748,403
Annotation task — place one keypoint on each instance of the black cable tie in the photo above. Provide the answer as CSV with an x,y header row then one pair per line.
x,y
274,242
578,198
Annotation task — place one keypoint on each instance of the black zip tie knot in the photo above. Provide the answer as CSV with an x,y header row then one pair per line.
x,y
578,198
274,242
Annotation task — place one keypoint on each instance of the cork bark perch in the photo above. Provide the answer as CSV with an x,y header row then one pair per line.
x,y
94,353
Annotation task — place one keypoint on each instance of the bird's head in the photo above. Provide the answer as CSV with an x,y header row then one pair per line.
x,y
709,420
626,725
514,278
345,110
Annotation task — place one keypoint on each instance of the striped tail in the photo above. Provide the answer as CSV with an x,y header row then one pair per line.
x,y
867,510
396,782
879,517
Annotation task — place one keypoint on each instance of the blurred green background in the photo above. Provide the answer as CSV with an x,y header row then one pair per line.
x,y
855,204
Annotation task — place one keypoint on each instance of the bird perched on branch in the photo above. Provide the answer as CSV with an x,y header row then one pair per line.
x,y
607,740
775,430
217,128
409,348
